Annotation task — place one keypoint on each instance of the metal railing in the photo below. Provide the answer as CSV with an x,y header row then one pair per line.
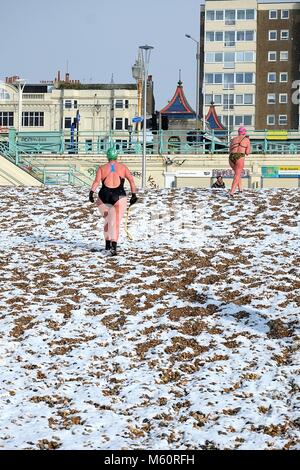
x,y
46,174
22,151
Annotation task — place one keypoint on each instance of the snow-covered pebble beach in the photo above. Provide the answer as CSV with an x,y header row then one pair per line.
x,y
188,339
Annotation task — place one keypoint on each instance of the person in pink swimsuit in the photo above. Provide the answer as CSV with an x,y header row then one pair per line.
x,y
239,147
112,200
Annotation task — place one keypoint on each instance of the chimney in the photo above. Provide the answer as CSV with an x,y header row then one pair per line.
x,y
67,79
58,76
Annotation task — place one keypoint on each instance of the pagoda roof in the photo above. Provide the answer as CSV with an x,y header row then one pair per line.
x,y
213,120
179,107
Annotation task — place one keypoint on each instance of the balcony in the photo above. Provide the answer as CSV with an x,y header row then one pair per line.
x,y
229,43
227,107
229,65
230,22
228,86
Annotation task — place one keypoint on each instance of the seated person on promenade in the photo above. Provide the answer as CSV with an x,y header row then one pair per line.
x,y
219,183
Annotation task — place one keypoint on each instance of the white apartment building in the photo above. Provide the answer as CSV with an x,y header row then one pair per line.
x,y
249,55
229,60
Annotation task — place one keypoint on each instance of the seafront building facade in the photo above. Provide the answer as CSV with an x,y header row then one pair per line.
x,y
69,106
249,62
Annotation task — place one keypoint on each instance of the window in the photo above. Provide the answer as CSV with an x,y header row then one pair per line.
x,y
272,35
249,36
272,77
218,78
272,56
219,36
210,15
220,15
239,99
283,98
249,57
217,99
271,99
68,104
68,122
229,59
246,14
229,17
219,57
3,94
282,121
210,36
228,81
228,102
118,124
34,119
245,57
209,78
208,99
273,15
285,14
284,55
284,34
247,120
225,120
271,119
119,104
209,57
248,78
6,118
229,38
248,99
250,15
283,77
238,120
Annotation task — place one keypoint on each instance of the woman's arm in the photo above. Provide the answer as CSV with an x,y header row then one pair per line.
x,y
97,180
248,148
130,179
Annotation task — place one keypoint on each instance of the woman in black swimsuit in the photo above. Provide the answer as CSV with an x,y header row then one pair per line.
x,y
112,200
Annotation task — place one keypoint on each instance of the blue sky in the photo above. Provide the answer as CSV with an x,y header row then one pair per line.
x,y
99,37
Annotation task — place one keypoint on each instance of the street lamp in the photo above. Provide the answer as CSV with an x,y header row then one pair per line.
x,y
20,82
146,51
137,73
197,75
130,129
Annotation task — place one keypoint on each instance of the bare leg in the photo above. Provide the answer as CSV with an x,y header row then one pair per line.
x,y
239,167
104,211
119,211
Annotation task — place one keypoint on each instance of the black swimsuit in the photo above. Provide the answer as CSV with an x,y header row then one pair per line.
x,y
112,195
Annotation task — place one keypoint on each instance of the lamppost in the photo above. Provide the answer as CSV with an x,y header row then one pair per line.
x,y
20,82
137,73
130,129
146,51
197,75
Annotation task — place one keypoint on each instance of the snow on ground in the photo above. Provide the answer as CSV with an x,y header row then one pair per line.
x,y
186,340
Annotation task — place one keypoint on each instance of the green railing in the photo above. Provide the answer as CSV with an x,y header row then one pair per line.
x,y
187,142
46,174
